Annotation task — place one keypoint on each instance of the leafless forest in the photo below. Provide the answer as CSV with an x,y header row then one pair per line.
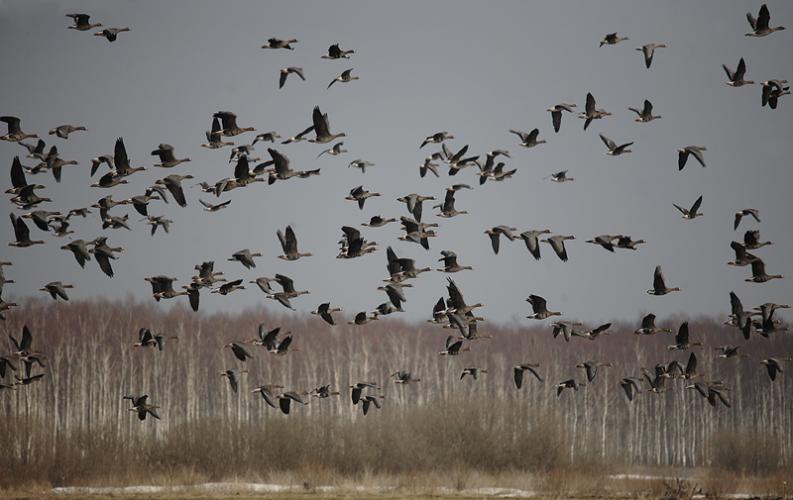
x,y
72,425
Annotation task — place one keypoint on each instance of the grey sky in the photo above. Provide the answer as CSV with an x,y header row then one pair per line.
x,y
475,69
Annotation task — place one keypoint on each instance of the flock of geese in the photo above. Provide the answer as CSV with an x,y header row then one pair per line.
x,y
452,311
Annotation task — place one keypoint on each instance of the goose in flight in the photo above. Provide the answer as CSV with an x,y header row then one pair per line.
x,y
453,347
539,308
556,114
356,390
15,133
377,221
735,78
456,161
346,76
335,52
103,253
751,240
361,318
80,250
428,166
772,91
360,195
568,384
648,51
613,148
592,334
648,326
711,392
591,112
683,154
111,33
760,25
209,207
773,366
560,176
238,351
22,234
232,378
404,378
645,115
289,245
519,370
414,203
230,127
277,43
496,232
162,287
167,158
729,351
354,245
591,368
245,257
740,214
472,371
285,72
335,150
630,386
739,317
325,312
285,400
447,209
557,243
682,342
173,183
436,138
693,212
531,238
624,241
140,407
659,285
215,136
361,164
266,137
57,289
612,39
63,131
322,128
528,139
759,275
82,22
605,240
450,264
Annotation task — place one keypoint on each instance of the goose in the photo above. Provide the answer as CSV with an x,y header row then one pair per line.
x,y
645,115
453,347
710,392
209,207
5,364
693,212
361,319
648,51
528,140
556,114
659,286
729,351
612,39
35,151
768,324
18,180
496,232
739,317
82,23
346,76
111,33
531,238
518,371
740,214
560,176
266,137
447,209
591,112
335,52
361,164
121,160
288,286
335,150
167,158
322,128
103,254
563,327
428,166
229,121
265,338
377,221
592,334
368,400
683,154
759,275
751,240
773,366
436,138
690,370
245,257
40,218
63,131
417,232
681,340
657,383
356,390
110,179
140,407
15,133
354,245
238,351
630,387
325,312
735,78
285,72
231,286
289,245
414,203
450,264
214,137
323,392
568,384
277,43
360,195
539,308
156,221
591,368
56,289
772,91
173,183
438,312
280,347
648,326
232,378
472,371
268,393
605,240
299,137
26,197
80,250
148,339
162,287
285,401
395,295
97,162
557,243
624,241
22,234
55,164
613,148
404,378
760,25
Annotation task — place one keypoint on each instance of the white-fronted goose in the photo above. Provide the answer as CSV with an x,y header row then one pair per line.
x,y
645,115
648,51
63,131
613,148
591,112
111,33
693,212
335,52
277,43
683,154
346,76
289,245
659,285
539,308
528,139
285,72
82,22
612,39
557,243
735,78
556,114
760,25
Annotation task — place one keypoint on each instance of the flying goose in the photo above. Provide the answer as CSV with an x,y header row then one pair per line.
x,y
659,286
266,137
453,347
414,203
335,150
377,221
417,232
346,76
560,176
740,214
245,257
322,128
711,392
277,43
613,148
758,273
681,340
354,245
645,115
739,317
518,370
773,366
624,241
630,387
267,393
568,384
15,133
472,371
648,51
605,241
140,407
404,378
772,91
592,334
173,183
648,326
436,138
285,72
361,319
156,221
214,137
528,139
285,401
56,289
360,195
495,232
693,212
229,121
428,166
591,368
63,131
591,112
80,250
729,351
539,308
450,264
683,154
82,23
751,240
238,351
103,253
232,378
325,312
612,39
335,52
556,114
361,164
557,243
22,234
760,25
289,245
167,159
111,33
531,238
209,207
162,287
447,209
735,78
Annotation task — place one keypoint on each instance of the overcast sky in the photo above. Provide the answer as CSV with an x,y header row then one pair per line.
x,y
475,69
